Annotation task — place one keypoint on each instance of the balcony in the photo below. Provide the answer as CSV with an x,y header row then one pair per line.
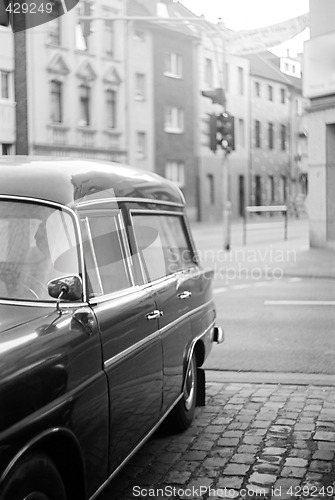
x,y
58,134
86,137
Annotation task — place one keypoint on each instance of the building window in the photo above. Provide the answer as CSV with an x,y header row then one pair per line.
x,y
175,172
85,104
211,188
282,96
109,37
241,132
6,149
240,80
54,26
141,145
270,137
4,84
270,92
271,193
298,104
258,133
173,65
56,102
111,108
283,137
174,120
209,72
257,89
83,28
226,77
139,86
283,188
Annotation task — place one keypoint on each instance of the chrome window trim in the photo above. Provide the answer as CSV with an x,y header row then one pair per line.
x,y
185,230
74,216
113,295
125,250
159,332
154,212
125,199
89,234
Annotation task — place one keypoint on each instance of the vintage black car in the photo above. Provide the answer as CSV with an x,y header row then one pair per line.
x,y
106,317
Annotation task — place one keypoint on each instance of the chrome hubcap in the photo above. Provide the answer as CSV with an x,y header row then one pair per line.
x,y
189,387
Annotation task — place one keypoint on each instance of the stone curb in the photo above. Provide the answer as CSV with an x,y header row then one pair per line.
x,y
222,376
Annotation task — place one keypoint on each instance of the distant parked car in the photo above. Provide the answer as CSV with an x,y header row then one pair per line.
x,y
106,317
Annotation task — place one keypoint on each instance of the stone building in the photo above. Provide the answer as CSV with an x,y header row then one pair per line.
x,y
7,99
319,87
276,103
74,73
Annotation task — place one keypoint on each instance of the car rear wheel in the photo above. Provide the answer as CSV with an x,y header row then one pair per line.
x,y
182,414
34,478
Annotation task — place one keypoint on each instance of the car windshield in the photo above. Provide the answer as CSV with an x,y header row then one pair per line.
x,y
37,244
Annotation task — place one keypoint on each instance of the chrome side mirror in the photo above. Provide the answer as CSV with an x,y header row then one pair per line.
x,y
66,288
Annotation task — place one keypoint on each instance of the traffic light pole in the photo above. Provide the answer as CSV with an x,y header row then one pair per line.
x,y
226,201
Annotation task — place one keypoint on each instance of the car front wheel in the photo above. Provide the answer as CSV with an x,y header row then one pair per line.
x,y
34,478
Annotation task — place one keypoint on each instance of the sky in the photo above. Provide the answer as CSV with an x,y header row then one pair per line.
x,y
250,14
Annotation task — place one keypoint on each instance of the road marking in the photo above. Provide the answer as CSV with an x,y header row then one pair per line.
x,y
294,280
219,290
240,287
299,302
261,283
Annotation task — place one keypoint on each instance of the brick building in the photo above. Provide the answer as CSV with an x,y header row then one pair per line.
x,y
162,76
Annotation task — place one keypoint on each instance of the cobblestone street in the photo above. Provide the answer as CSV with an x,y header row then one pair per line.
x,y
266,440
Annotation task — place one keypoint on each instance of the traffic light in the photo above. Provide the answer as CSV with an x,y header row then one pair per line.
x,y
222,132
225,131
217,96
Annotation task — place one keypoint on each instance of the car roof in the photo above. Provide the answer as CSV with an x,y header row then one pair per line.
x,y
72,181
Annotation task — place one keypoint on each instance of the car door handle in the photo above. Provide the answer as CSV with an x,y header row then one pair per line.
x,y
184,295
154,314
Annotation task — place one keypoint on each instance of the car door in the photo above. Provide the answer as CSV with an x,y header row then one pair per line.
x,y
128,323
168,286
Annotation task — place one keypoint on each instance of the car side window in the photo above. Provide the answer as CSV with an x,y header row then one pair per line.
x,y
105,258
162,243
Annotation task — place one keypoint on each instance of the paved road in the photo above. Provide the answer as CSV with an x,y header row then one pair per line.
x,y
277,325
274,439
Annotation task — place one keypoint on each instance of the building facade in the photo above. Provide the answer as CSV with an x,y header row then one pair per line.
x,y
162,97
75,74
7,98
319,87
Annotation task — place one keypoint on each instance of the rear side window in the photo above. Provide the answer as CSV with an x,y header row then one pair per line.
x,y
105,256
162,243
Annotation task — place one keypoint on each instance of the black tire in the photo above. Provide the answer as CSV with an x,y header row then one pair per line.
x,y
34,478
182,414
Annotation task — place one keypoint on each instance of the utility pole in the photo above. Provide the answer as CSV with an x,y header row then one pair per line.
x,y
226,200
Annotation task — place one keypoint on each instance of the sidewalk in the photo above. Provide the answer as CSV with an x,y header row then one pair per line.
x,y
266,250
252,440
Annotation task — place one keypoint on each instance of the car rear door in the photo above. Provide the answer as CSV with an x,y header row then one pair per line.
x,y
128,323
169,286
